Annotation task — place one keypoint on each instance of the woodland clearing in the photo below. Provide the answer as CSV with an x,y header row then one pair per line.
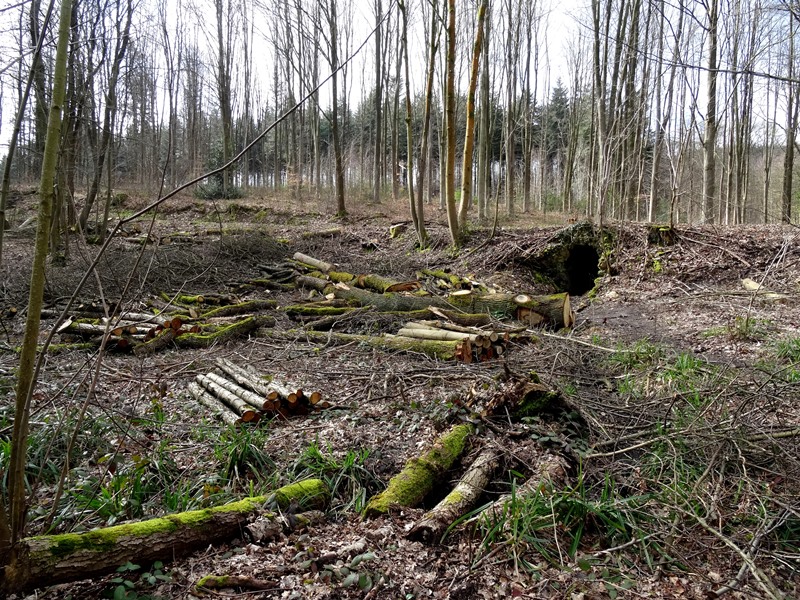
x,y
673,414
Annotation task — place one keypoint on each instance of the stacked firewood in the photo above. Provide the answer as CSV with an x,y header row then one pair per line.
x,y
237,394
472,344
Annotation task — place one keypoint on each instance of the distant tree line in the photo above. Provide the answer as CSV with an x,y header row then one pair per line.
x,y
645,110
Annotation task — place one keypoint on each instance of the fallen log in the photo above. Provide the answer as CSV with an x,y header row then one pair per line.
x,y
550,472
312,262
47,560
389,302
159,342
457,503
313,283
437,334
461,318
218,408
553,310
209,583
224,333
409,487
431,348
520,397
240,308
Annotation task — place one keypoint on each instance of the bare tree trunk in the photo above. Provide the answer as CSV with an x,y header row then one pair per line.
x,y
450,120
485,142
377,163
12,145
710,137
469,136
333,49
424,165
791,129
12,522
122,36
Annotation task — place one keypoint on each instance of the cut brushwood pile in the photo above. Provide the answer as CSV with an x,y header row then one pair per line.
x,y
237,394
183,322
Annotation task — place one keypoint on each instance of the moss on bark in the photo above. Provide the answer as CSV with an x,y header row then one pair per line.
x,y
416,480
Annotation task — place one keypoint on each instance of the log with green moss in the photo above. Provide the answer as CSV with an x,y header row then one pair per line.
x,y
449,280
382,285
240,308
434,349
224,333
553,310
409,487
47,560
388,302
220,582
520,397
458,502
461,318
302,310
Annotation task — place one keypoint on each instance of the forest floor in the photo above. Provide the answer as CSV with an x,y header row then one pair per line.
x,y
678,419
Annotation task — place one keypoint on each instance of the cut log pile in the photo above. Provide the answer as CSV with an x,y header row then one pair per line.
x,y
176,325
237,394
470,344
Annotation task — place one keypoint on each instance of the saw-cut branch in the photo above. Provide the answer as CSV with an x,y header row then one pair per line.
x,y
224,333
218,408
246,412
550,472
243,376
312,262
251,398
458,502
241,308
410,486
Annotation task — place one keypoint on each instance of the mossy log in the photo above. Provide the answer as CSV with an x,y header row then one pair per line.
x,y
461,318
553,310
389,302
340,276
47,560
300,310
409,487
159,342
448,280
240,308
224,333
383,285
434,349
220,582
520,397
458,502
